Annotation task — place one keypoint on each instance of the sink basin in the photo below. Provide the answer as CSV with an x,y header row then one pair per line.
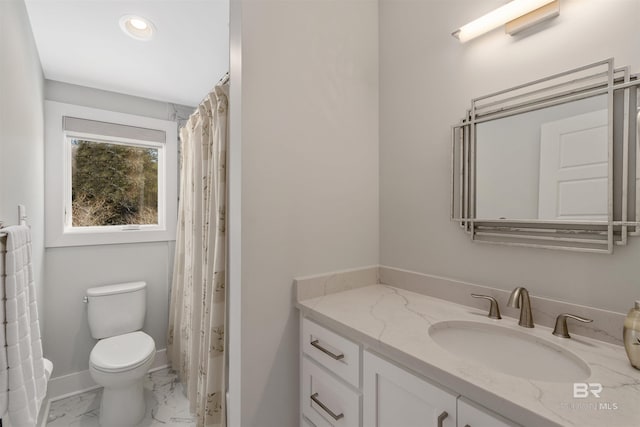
x,y
510,351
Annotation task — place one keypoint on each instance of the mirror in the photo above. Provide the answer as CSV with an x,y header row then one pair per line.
x,y
551,163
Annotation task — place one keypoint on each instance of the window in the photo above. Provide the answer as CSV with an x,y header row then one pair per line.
x,y
111,177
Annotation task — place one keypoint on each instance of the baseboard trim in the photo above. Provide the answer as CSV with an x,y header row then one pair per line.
x,y
80,382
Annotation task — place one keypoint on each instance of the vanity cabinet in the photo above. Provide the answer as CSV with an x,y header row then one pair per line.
x,y
393,397
343,386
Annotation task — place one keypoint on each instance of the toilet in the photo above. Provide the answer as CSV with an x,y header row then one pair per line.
x,y
121,358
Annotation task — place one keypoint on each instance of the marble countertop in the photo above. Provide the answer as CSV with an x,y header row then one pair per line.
x,y
395,322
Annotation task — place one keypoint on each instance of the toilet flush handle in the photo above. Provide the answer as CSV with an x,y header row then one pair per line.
x,y
85,300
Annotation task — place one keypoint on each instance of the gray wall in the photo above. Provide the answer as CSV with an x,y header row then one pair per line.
x,y
21,131
427,79
309,176
71,270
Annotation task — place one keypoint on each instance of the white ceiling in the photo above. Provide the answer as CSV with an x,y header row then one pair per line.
x,y
80,42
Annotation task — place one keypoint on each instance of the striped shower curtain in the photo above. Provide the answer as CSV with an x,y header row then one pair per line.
x,y
197,311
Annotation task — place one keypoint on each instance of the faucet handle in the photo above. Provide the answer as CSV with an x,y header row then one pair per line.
x,y
561,329
494,310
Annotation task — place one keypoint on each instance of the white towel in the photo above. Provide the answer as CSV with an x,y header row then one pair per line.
x,y
23,383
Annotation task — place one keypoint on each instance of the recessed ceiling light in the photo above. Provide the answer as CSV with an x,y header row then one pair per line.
x,y
137,27
138,24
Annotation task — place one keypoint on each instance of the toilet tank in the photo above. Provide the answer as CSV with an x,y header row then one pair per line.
x,y
116,309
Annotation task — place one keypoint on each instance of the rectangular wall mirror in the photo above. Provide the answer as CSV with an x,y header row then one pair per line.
x,y
551,163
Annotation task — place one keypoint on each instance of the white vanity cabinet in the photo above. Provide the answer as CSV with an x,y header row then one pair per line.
x,y
343,386
393,397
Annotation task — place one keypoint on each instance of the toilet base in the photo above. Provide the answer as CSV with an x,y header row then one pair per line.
x,y
122,406
123,403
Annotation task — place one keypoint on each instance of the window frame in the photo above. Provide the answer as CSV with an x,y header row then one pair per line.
x,y
58,231
126,142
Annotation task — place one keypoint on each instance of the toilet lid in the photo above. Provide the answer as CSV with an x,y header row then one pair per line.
x,y
122,352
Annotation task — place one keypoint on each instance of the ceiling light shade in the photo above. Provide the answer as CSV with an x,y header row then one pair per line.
x,y
137,27
498,17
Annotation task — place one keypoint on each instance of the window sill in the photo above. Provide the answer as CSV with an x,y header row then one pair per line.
x,y
108,237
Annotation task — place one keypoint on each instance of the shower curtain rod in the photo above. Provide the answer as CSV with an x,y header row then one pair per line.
x,y
222,81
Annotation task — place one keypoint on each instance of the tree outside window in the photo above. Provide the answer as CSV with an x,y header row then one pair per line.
x,y
113,184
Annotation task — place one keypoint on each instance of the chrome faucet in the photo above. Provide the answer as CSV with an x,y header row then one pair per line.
x,y
520,299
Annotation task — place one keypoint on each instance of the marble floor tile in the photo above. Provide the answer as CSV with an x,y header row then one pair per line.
x,y
166,405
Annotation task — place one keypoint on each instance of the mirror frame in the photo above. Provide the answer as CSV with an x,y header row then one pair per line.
x,y
623,217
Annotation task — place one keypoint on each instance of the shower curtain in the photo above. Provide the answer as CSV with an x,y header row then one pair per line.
x,y
195,344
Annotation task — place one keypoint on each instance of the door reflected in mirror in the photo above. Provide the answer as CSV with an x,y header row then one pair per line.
x,y
545,164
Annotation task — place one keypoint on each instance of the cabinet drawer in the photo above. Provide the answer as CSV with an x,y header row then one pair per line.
x,y
326,401
332,351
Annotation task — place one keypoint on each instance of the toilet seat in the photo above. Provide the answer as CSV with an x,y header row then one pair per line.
x,y
122,352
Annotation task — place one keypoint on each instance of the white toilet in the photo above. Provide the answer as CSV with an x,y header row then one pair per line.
x,y
124,354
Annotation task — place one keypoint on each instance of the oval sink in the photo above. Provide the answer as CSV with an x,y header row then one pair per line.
x,y
510,351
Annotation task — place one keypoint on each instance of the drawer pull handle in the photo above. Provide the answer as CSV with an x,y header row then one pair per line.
x,y
315,399
334,356
441,418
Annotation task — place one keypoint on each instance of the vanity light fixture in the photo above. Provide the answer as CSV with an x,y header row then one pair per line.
x,y
137,27
516,15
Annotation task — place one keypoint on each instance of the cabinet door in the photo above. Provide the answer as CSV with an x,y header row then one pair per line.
x,y
471,414
394,397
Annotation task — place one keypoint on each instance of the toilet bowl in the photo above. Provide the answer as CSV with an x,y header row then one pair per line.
x,y
119,364
121,358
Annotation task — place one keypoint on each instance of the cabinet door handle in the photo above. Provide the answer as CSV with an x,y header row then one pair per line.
x,y
442,417
314,398
331,354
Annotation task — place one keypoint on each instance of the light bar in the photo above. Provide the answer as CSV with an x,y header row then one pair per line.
x,y
498,17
